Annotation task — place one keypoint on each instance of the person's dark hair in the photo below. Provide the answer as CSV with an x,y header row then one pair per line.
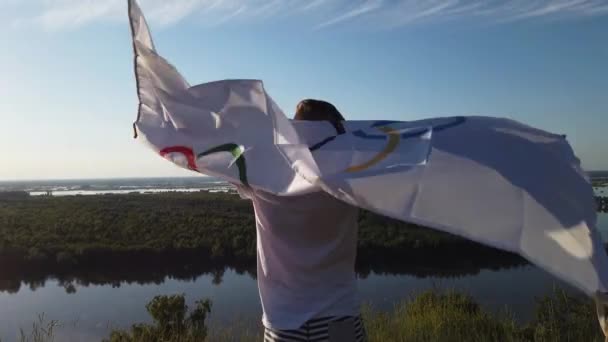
x,y
317,110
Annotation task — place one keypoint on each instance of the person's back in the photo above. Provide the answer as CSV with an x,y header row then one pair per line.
x,y
306,247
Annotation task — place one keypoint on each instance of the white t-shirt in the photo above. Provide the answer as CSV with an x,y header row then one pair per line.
x,y
306,249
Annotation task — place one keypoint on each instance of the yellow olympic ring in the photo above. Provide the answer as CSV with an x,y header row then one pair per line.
x,y
393,142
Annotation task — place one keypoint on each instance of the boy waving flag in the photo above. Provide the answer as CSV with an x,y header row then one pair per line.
x,y
491,180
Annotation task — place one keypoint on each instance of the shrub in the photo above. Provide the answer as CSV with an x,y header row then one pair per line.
x,y
169,322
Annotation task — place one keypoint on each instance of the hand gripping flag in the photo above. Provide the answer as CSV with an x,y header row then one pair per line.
x,y
491,180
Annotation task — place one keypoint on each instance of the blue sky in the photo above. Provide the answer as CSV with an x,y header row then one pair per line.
x,y
67,92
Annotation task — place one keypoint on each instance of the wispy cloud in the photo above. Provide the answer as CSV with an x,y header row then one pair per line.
x,y
62,14
362,9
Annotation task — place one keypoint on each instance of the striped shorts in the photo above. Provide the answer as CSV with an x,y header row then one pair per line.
x,y
326,329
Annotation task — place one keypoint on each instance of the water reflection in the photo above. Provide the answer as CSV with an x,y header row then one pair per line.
x,y
94,310
140,271
117,270
100,294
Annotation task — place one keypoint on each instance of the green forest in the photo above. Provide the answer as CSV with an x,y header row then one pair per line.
x,y
218,225
75,230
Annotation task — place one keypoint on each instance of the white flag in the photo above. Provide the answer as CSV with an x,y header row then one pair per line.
x,y
491,180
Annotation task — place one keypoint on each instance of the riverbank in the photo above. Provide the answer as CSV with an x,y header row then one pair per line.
x,y
427,316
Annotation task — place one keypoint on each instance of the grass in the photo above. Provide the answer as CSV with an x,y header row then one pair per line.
x,y
42,331
429,316
602,204
451,316
435,316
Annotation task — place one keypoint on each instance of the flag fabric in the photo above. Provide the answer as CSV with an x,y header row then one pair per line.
x,y
492,180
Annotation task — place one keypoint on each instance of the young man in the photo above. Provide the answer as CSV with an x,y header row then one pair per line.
x,y
306,249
